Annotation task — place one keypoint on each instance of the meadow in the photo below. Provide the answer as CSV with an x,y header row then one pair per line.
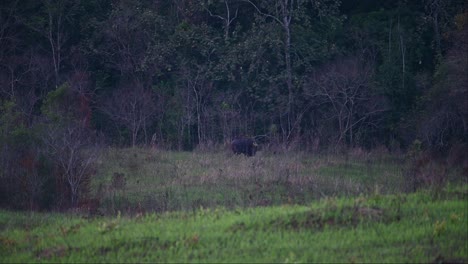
x,y
162,206
159,181
419,227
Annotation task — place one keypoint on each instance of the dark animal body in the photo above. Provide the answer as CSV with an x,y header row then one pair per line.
x,y
246,146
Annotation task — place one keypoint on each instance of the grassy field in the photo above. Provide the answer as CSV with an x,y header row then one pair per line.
x,y
159,181
426,226
162,206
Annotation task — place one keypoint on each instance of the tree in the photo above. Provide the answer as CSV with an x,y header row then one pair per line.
x,y
444,119
54,22
20,180
24,72
344,89
75,150
283,12
133,42
395,38
132,106
71,145
227,18
198,51
217,69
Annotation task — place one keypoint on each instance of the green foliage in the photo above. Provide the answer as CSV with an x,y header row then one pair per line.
x,y
21,163
53,106
443,108
36,157
12,125
256,57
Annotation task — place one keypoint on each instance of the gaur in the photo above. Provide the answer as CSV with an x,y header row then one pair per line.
x,y
246,146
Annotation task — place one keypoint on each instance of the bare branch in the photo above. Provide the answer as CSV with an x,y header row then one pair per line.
x,y
344,85
265,14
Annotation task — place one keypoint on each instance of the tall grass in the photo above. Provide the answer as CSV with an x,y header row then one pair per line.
x,y
170,181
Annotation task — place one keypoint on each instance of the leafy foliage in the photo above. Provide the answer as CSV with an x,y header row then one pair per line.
x,y
220,69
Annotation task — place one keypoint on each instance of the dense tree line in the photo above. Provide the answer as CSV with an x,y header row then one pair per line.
x,y
306,74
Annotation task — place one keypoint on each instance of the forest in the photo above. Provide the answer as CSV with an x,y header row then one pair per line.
x,y
184,75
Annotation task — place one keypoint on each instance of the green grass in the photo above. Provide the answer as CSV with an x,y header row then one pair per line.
x,y
427,226
171,181
219,207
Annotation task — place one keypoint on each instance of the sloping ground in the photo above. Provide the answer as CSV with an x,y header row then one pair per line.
x,y
428,226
